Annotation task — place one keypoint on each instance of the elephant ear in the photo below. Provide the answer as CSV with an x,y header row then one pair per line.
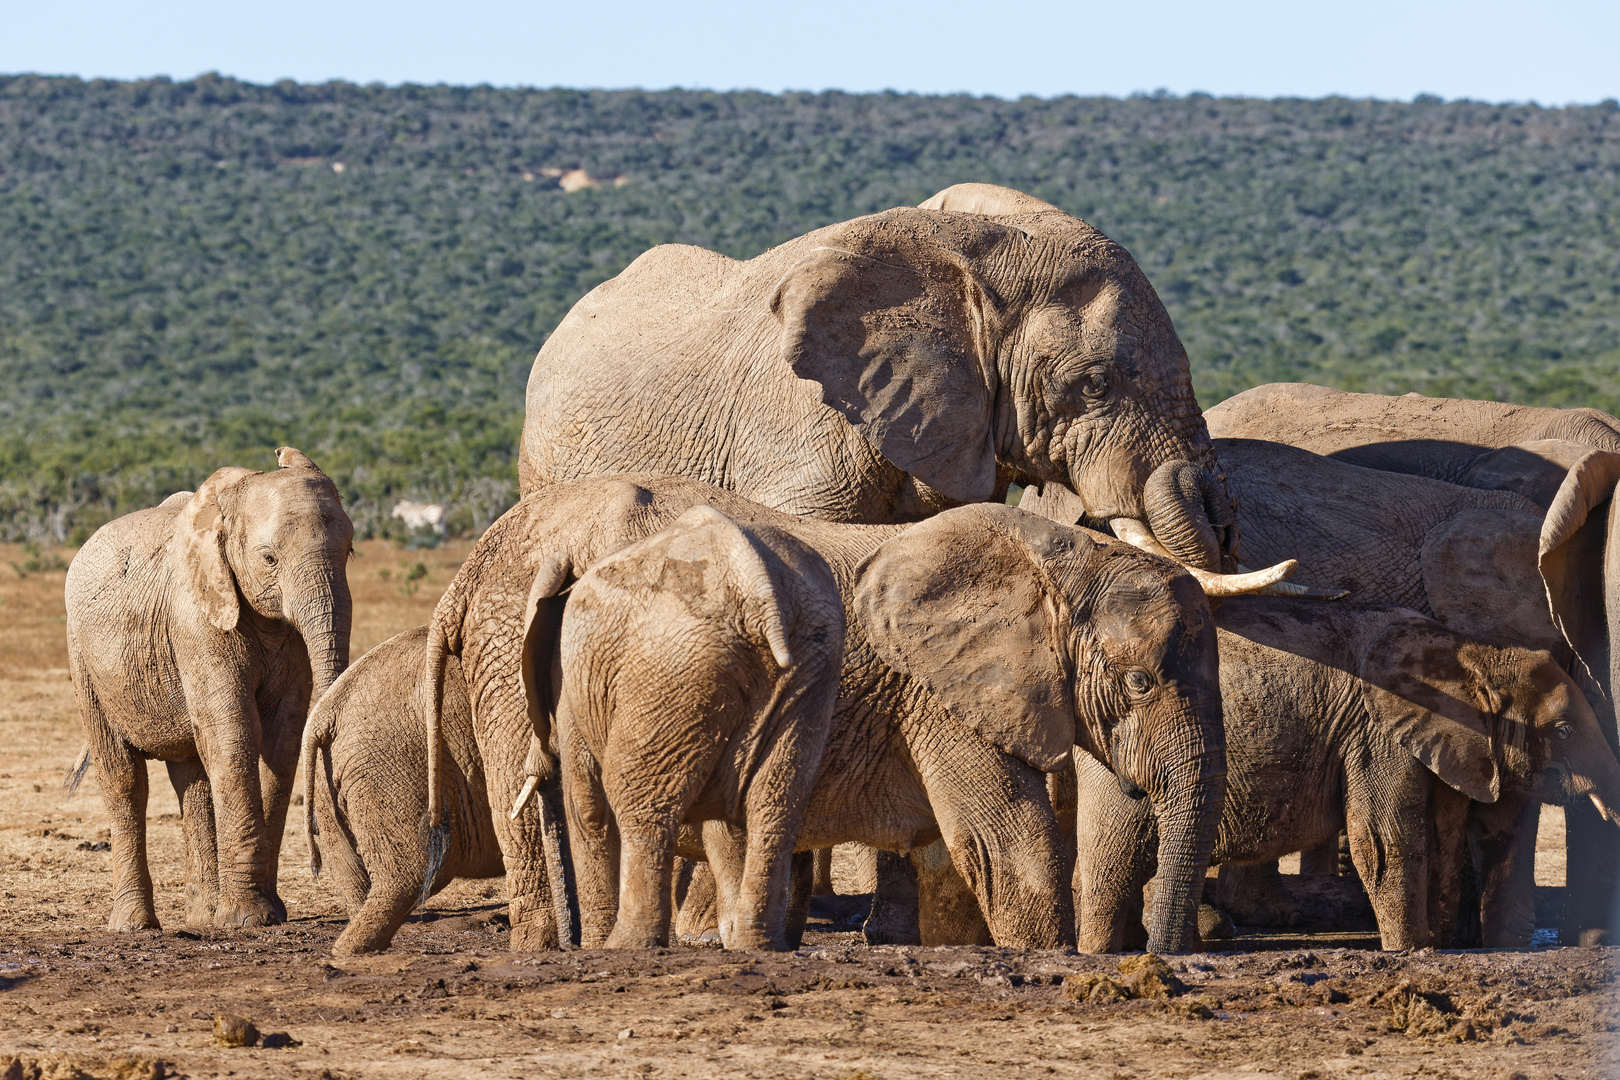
x,y
903,352
1419,689
203,527
1580,565
961,604
542,623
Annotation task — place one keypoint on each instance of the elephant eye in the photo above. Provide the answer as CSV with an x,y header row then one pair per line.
x,y
1138,681
269,557
1094,385
1562,731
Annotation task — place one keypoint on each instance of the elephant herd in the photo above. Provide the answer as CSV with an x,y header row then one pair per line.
x,y
763,594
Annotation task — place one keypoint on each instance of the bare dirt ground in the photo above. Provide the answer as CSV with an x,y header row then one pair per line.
x,y
450,1001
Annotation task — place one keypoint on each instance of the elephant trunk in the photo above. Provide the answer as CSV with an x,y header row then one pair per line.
x,y
322,614
1188,513
1188,797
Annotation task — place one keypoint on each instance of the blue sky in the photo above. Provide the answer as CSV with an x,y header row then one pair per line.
x,y
1552,53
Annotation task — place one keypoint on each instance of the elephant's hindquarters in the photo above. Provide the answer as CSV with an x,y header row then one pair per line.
x,y
378,790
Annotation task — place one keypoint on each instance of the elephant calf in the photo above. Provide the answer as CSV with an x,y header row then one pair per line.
x,y
365,788
1377,720
699,671
198,632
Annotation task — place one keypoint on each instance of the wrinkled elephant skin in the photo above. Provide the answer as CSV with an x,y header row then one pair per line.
x,y
199,632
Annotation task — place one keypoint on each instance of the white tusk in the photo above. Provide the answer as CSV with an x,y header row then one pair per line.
x,y
1306,592
1137,534
529,784
1602,809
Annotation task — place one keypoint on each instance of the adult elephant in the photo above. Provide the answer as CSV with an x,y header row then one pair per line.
x,y
199,632
883,369
1565,462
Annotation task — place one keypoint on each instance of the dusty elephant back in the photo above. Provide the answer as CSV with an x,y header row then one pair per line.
x,y
1386,431
1351,528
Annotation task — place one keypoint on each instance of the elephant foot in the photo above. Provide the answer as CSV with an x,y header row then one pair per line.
x,y
1214,924
248,911
757,941
133,916
894,916
350,943
534,925
200,907
623,939
1254,895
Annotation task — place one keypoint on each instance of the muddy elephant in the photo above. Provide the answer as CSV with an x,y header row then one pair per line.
x,y
883,369
1051,636
1563,461
199,632
364,765
699,670
1383,722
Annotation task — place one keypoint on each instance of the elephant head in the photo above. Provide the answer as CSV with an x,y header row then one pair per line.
x,y
988,335
1493,723
1038,636
278,542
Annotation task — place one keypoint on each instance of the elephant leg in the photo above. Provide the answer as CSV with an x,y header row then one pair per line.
x,y
1447,843
646,863
387,905
893,919
278,774
1116,853
1391,864
196,798
726,846
593,839
1253,894
996,818
1591,877
802,889
1320,860
698,919
947,911
822,883
121,773
228,746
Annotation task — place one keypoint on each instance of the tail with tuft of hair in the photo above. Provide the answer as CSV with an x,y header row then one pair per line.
x,y
70,782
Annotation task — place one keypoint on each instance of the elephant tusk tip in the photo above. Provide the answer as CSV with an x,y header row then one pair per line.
x,y
530,782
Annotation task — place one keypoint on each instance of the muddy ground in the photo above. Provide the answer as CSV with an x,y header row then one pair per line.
x,y
450,1001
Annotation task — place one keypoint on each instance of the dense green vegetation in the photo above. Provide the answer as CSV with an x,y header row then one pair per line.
x,y
186,279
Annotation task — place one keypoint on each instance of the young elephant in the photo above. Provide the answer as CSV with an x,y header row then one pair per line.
x,y
699,669
199,632
365,760
980,646
1380,721
1567,463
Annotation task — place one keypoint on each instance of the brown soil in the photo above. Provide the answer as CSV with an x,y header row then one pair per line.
x,y
449,1001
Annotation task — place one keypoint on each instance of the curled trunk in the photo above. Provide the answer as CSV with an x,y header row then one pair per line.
x,y
1188,513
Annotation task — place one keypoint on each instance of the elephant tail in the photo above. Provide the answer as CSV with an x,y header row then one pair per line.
x,y
323,817
434,828
318,735
70,782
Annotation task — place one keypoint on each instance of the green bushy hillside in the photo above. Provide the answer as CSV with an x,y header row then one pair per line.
x,y
187,279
